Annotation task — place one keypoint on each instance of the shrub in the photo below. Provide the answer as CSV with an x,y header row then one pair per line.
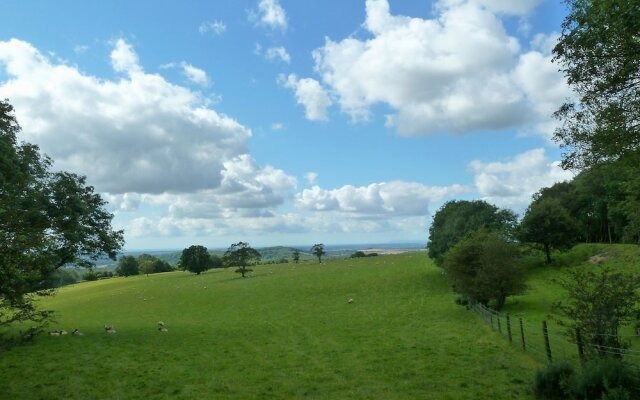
x,y
90,276
553,382
606,378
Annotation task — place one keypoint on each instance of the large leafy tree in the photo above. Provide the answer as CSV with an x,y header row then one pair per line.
x,y
599,52
457,219
547,223
240,255
195,259
485,267
127,266
47,219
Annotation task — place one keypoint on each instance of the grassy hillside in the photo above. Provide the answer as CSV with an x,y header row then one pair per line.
x,y
286,332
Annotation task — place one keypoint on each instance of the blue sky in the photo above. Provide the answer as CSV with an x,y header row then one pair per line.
x,y
288,122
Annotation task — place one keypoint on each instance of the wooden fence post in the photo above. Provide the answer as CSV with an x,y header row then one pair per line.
x,y
547,346
509,329
524,346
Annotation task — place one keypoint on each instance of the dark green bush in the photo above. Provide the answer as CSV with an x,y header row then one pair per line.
x,y
90,276
606,378
553,382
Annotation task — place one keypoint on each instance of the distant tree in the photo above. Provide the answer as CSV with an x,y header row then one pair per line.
x,y
195,259
485,267
90,276
358,254
296,256
599,304
318,251
239,255
149,264
547,223
127,266
598,53
47,219
457,219
216,261
146,268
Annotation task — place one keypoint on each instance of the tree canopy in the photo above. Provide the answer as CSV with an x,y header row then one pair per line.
x,y
128,266
47,219
599,53
195,259
458,218
485,267
239,255
318,251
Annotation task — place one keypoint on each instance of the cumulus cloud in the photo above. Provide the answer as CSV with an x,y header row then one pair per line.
x,y
311,177
195,75
139,133
310,94
280,53
511,183
216,27
452,73
377,199
271,14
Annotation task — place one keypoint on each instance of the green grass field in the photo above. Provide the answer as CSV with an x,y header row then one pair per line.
x,y
285,332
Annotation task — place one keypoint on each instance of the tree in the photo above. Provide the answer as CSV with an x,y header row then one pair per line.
x,y
296,256
485,267
547,223
149,264
318,251
240,255
457,219
195,259
127,266
599,53
216,261
47,219
598,304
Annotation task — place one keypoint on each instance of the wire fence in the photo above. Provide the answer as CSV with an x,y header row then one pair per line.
x,y
549,342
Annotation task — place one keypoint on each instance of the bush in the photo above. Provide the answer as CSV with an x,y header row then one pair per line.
x,y
553,382
606,378
358,254
90,276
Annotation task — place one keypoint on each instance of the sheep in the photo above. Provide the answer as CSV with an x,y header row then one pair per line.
x,y
54,333
63,332
76,332
163,329
160,323
350,301
109,329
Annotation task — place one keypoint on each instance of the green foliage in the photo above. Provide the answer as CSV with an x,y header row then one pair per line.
x,y
195,259
599,304
553,382
456,219
47,219
358,254
90,276
61,277
239,255
216,261
547,223
318,251
606,378
485,267
127,266
149,264
598,52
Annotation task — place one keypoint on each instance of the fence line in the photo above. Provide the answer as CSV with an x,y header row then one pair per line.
x,y
541,342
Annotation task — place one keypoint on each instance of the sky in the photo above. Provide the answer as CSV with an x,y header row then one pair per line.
x,y
288,122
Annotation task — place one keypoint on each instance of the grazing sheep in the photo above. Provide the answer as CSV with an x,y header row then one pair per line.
x,y
63,332
109,329
54,333
163,329
350,301
76,332
160,323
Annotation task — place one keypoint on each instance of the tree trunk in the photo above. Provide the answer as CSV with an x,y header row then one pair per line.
x,y
547,250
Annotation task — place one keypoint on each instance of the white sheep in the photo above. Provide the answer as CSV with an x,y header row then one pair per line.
x,y
350,301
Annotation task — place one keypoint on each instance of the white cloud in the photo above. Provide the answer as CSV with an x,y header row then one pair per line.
x,y
453,73
124,58
273,53
139,133
511,183
277,126
271,14
310,94
511,7
217,27
80,49
311,177
195,75
377,199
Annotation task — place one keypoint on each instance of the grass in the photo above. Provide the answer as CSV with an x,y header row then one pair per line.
x,y
285,332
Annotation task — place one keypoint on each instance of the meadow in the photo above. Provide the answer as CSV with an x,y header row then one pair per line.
x,y
287,331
